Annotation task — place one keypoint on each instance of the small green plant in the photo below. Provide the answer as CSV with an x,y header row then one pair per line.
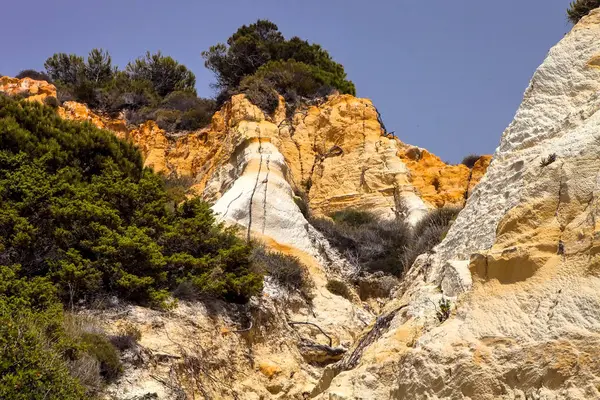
x,y
548,160
339,288
443,310
580,8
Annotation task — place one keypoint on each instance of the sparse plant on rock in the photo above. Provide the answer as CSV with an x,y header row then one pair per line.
x,y
339,288
285,269
443,309
548,160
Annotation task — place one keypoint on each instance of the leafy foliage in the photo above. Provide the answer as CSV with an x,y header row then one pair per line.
x,y
165,74
79,209
295,81
580,8
254,46
35,349
151,87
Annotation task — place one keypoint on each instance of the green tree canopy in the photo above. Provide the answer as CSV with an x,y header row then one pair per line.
x,y
166,74
255,45
80,210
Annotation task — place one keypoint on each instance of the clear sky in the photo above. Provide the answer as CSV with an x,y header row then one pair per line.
x,y
445,75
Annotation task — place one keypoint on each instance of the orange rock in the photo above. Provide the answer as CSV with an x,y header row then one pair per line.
x,y
37,90
438,183
336,152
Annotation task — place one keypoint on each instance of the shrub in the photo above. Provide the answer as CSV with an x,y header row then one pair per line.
x,y
33,74
35,349
255,45
165,74
51,101
260,93
287,270
339,288
295,81
353,217
369,243
580,8
470,160
429,232
127,338
80,209
443,310
99,347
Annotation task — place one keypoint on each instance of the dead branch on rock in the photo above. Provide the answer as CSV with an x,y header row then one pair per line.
x,y
315,325
380,327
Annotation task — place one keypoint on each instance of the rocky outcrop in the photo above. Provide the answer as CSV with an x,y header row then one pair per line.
x,y
519,265
257,170
31,89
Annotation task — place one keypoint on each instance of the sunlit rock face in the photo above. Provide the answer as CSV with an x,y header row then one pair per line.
x,y
520,264
259,172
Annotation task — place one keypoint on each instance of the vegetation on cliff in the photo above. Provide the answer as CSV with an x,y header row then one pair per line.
x,y
257,57
580,8
81,220
257,60
80,210
375,245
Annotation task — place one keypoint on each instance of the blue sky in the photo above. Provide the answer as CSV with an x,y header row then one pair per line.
x,y
445,75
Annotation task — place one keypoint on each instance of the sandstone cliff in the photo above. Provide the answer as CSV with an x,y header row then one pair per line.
x,y
255,170
519,265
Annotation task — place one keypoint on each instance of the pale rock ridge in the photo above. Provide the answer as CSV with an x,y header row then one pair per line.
x,y
520,263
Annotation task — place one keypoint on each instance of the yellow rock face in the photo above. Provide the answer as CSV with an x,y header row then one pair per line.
x,y
37,90
336,152
439,183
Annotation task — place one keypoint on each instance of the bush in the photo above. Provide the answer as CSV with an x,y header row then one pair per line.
x,y
34,361
339,288
260,93
99,347
580,8
80,209
429,232
165,74
353,217
369,243
51,101
255,45
33,74
470,160
287,270
295,81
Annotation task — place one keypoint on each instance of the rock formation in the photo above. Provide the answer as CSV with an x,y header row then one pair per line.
x,y
257,170
519,265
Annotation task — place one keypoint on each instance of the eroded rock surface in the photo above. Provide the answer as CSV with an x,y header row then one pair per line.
x,y
256,170
520,264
